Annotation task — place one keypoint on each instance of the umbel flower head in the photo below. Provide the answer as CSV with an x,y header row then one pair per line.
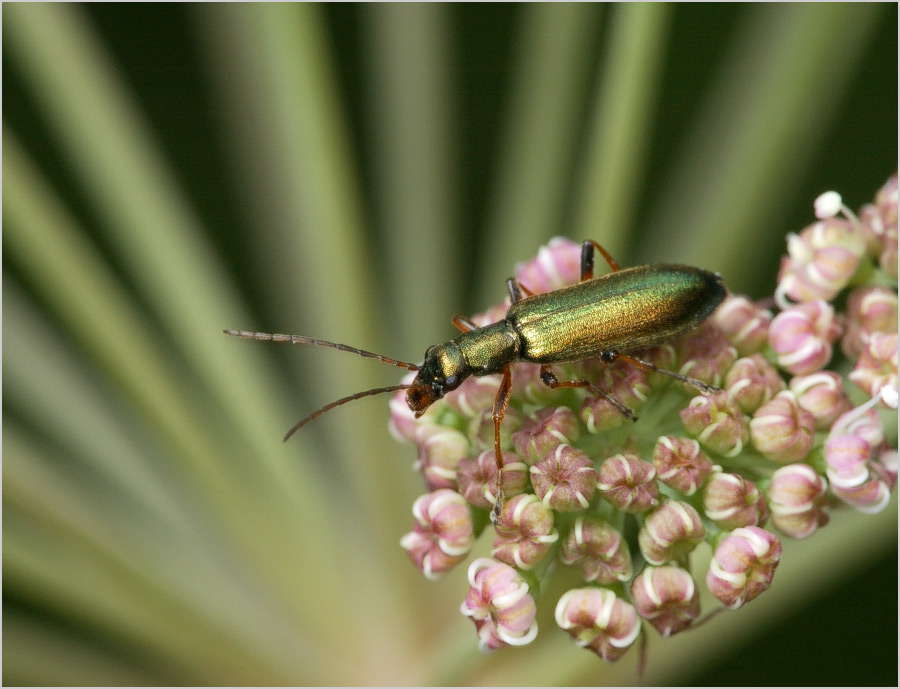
x,y
782,445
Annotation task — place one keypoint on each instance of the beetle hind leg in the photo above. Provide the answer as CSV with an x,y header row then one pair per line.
x,y
653,368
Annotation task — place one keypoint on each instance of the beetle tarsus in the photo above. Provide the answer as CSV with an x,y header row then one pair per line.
x,y
703,387
496,509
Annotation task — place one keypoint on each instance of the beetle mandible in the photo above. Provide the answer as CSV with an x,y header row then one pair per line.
x,y
599,317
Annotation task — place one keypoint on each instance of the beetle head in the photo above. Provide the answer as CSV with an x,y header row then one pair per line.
x,y
443,370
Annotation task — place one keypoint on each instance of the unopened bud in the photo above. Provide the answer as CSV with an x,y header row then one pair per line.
x,y
681,464
524,532
628,482
670,532
598,549
743,565
599,620
565,479
667,598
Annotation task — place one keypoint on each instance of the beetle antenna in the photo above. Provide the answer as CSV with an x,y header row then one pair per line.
x,y
300,339
365,393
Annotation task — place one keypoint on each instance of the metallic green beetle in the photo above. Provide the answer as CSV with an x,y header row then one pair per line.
x,y
601,317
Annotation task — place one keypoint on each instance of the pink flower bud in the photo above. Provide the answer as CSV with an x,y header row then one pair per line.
x,y
628,483
528,386
862,421
474,395
731,501
477,477
706,355
403,422
877,365
743,323
869,310
847,456
797,500
743,565
543,431
442,537
717,422
481,428
599,414
782,430
599,620
802,336
871,496
822,395
820,261
524,532
667,598
681,464
565,479
752,381
670,532
500,606
856,477
879,225
557,264
441,449
598,549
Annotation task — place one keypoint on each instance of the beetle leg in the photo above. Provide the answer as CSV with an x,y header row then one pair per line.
x,y
551,381
653,368
464,324
587,259
501,404
517,291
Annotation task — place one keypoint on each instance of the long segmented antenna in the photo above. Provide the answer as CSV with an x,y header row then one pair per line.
x,y
375,391
300,339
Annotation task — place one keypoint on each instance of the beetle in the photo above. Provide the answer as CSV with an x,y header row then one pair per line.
x,y
599,317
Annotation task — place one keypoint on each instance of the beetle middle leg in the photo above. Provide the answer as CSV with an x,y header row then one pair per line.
x,y
517,291
549,379
587,259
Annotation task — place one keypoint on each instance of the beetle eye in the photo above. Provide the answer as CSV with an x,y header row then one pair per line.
x,y
451,382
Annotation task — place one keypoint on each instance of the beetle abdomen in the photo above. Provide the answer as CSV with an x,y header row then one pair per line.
x,y
621,311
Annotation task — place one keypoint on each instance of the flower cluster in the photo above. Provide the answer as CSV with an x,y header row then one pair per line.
x,y
783,443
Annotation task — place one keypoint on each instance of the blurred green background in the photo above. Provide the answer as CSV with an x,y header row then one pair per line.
x,y
361,173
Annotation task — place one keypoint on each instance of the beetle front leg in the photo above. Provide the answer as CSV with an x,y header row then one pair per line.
x,y
549,379
501,404
463,324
